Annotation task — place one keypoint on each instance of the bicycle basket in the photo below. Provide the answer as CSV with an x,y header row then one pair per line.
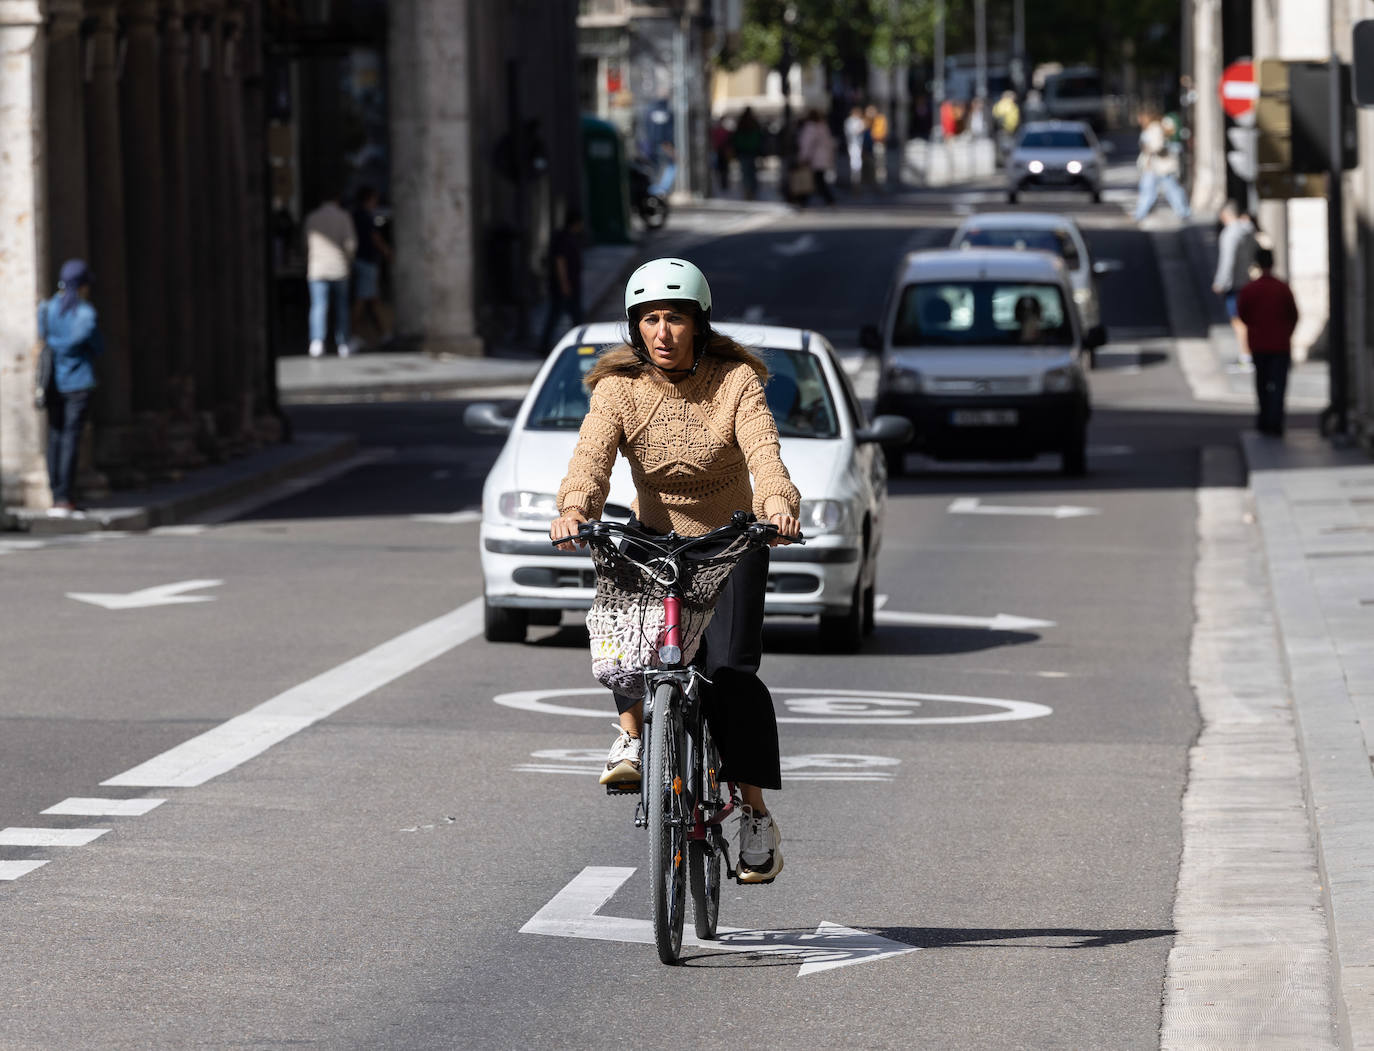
x,y
625,622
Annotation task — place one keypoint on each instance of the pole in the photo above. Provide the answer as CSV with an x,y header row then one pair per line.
x,y
937,87
1018,48
1335,418
980,48
681,109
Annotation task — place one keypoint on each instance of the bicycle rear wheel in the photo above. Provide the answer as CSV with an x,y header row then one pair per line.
x,y
667,795
703,859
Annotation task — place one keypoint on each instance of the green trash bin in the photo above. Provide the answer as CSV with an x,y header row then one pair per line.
x,y
607,188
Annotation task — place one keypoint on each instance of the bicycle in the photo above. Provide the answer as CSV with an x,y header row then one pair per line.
x,y
681,801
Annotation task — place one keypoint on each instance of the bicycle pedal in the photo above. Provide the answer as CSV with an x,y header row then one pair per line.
x,y
623,788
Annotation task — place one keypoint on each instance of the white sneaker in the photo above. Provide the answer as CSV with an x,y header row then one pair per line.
x,y
345,349
623,764
317,348
760,860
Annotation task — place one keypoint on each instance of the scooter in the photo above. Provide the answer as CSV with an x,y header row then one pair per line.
x,y
649,191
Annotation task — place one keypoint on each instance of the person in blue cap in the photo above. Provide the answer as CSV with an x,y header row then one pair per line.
x,y
67,324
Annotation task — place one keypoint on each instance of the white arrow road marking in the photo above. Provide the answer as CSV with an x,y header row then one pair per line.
x,y
162,595
572,913
452,518
803,244
1001,622
241,738
49,837
971,505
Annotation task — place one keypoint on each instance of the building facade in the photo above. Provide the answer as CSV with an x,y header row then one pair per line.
x,y
177,145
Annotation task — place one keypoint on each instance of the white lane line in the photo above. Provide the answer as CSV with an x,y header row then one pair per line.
x,y
49,837
85,806
12,870
452,518
241,738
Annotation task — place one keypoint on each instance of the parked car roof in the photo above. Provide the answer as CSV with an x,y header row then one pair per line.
x,y
973,264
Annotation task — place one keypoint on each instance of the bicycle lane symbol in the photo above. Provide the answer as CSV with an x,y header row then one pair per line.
x,y
835,707
826,766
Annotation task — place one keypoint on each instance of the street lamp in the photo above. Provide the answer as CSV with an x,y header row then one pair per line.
x,y
789,19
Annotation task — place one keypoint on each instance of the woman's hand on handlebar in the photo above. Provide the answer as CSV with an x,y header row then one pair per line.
x,y
788,527
565,529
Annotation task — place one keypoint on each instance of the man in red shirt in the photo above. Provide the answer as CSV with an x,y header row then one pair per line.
x,y
1270,314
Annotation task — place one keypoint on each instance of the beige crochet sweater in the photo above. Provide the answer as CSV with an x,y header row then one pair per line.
x,y
692,447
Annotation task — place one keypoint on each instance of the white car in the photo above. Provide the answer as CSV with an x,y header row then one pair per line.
x,y
831,450
1058,235
983,352
1056,155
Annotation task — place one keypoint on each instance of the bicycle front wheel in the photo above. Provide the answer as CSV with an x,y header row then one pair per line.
x,y
667,799
703,859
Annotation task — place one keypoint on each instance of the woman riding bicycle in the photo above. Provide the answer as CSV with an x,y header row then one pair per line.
x,y
685,405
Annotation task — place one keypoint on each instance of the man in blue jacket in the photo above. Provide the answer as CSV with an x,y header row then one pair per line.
x,y
67,324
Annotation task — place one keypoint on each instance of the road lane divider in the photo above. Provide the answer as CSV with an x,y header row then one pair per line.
x,y
245,736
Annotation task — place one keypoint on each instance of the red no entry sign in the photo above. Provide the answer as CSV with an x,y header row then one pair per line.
x,y
1238,89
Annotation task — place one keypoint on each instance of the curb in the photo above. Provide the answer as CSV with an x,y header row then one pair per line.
x,y
199,492
1331,736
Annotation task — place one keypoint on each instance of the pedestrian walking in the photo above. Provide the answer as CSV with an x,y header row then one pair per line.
x,y
331,244
868,157
1236,248
367,265
747,142
854,143
1270,313
816,151
1158,167
68,326
565,277
720,153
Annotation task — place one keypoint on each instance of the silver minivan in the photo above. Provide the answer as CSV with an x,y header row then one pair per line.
x,y
983,351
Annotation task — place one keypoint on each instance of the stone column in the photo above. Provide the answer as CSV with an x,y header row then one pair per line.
x,y
237,410
216,340
198,355
144,199
23,251
259,385
431,181
175,228
115,447
66,139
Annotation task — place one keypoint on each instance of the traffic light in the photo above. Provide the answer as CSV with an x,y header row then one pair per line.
x,y
1309,96
1243,156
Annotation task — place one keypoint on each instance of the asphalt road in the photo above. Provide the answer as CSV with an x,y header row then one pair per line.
x,y
363,882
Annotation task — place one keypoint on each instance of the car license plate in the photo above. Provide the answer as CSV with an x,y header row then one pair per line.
x,y
983,417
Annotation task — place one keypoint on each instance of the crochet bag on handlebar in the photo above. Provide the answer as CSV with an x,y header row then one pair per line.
x,y
626,619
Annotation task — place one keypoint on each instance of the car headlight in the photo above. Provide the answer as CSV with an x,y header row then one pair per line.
x,y
903,381
822,516
526,507
1035,167
1059,380
1074,167
1082,296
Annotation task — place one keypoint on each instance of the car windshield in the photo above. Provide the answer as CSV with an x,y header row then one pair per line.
x,y
797,392
1056,242
1077,87
1054,140
982,314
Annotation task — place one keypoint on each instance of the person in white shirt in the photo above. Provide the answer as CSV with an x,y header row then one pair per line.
x,y
331,242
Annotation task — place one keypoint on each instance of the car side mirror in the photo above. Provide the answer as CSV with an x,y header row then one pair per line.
x,y
870,338
1097,336
1108,266
886,430
483,417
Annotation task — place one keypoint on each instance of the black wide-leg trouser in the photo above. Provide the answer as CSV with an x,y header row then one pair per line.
x,y
738,706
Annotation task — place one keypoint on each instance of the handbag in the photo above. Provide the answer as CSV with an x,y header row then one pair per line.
x,y
801,182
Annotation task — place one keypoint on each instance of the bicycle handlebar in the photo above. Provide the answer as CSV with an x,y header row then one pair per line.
x,y
741,524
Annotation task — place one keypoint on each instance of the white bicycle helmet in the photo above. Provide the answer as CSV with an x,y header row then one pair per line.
x,y
667,278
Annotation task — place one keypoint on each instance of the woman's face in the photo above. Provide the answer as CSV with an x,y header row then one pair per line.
x,y
668,330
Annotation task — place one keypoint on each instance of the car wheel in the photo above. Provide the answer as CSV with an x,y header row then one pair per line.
x,y
1075,456
503,624
545,618
844,632
870,609
1092,357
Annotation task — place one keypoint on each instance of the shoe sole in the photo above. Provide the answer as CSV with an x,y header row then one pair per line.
x,y
623,773
754,878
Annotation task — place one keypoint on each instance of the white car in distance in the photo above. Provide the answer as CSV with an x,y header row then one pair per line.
x,y
831,449
1058,235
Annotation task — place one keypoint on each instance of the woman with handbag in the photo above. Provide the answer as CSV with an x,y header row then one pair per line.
x,y
686,407
67,325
